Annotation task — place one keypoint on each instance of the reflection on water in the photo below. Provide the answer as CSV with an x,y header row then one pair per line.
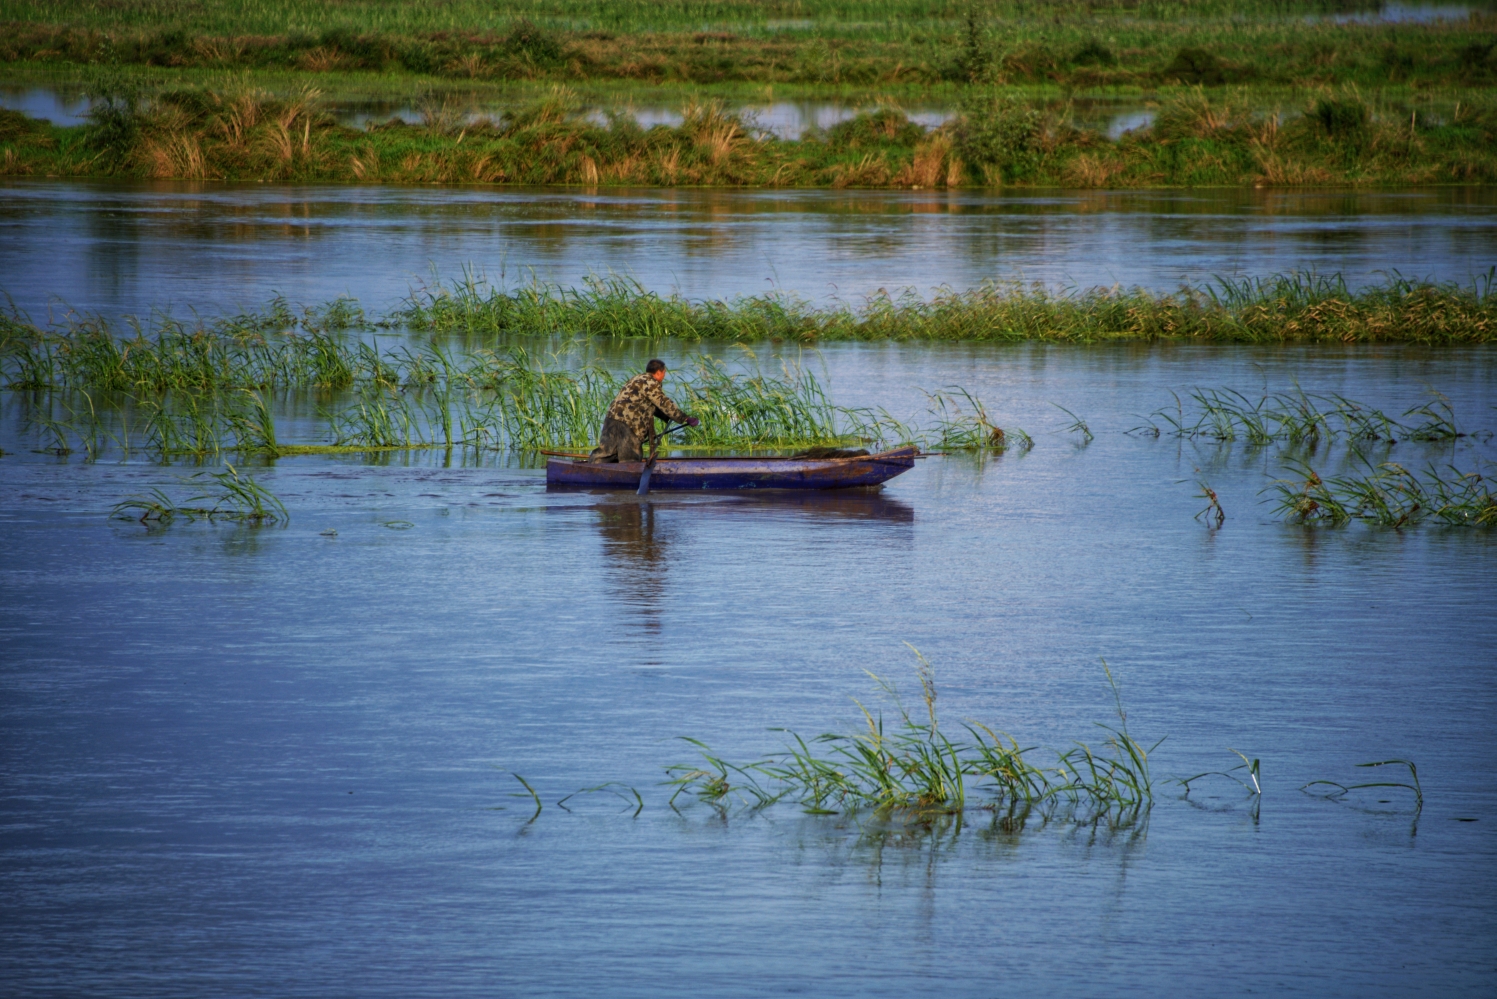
x,y
129,248
639,561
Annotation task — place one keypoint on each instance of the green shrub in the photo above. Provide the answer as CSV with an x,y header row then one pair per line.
x,y
999,134
530,41
1192,65
1094,53
884,127
1340,117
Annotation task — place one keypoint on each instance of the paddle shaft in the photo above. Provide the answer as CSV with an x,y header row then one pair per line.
x,y
644,477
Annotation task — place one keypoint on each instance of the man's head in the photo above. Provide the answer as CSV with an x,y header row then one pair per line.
x,y
656,369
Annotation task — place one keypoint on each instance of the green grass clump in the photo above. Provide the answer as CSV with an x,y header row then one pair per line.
x,y
1387,495
238,497
915,766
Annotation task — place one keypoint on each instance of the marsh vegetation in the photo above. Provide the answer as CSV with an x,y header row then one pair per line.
x,y
241,132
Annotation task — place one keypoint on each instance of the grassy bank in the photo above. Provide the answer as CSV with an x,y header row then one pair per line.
x,y
1197,139
797,41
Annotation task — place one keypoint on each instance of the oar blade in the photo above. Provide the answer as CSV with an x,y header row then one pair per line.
x,y
644,480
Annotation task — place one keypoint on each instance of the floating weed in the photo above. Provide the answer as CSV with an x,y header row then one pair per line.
x,y
530,792
612,787
1246,769
1336,791
1077,424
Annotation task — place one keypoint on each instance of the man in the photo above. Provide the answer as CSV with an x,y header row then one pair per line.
x,y
630,421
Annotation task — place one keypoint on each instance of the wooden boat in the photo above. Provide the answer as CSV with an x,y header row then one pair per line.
x,y
748,472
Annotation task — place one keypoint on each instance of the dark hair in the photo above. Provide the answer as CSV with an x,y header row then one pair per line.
x,y
656,364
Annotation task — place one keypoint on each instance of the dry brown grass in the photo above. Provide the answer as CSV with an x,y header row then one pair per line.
x,y
929,167
320,60
1089,170
870,171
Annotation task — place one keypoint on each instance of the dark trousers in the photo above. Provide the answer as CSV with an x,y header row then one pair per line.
x,y
617,443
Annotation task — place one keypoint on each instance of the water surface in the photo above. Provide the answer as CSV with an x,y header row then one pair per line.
x,y
130,248
272,760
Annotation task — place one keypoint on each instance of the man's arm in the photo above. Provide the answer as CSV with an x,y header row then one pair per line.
x,y
663,404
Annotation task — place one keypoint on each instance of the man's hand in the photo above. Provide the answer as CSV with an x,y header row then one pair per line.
x,y
692,421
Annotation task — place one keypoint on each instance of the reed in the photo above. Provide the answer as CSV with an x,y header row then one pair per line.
x,y
962,424
1287,308
913,766
1212,513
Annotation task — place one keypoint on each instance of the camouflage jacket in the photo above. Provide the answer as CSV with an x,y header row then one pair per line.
x,y
639,402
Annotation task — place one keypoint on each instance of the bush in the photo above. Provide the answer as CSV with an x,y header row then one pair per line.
x,y
1094,53
884,127
1341,117
114,119
997,133
530,41
1196,66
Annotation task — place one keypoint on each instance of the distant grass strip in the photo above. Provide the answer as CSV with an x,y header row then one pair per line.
x,y
1286,308
832,42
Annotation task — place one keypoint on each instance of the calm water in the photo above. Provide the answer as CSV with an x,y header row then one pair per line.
x,y
128,249
271,761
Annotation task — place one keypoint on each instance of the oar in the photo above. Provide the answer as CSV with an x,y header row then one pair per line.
x,y
644,477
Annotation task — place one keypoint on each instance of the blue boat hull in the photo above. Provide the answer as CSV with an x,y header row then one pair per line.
x,y
734,473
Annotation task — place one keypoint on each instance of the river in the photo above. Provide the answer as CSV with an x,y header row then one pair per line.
x,y
279,760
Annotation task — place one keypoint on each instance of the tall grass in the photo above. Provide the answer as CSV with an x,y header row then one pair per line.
x,y
247,134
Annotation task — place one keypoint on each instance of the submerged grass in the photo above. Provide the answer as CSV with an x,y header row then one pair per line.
x,y
238,497
913,766
1299,418
1387,495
